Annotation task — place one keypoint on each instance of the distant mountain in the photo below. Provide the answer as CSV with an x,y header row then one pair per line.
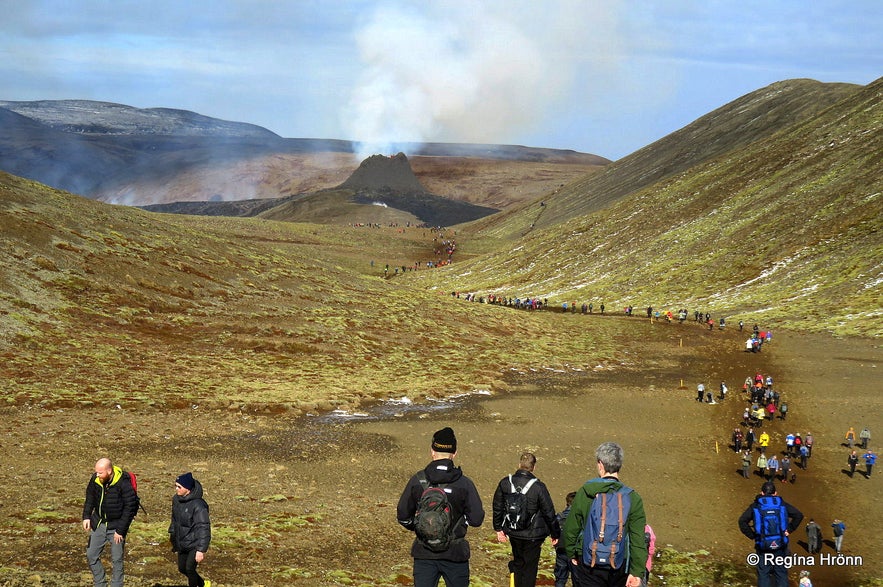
x,y
135,156
106,118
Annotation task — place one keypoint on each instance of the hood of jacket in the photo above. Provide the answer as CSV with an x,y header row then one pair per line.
x,y
114,479
442,471
601,485
195,493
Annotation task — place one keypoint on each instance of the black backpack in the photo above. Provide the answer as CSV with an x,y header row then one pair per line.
x,y
515,503
434,520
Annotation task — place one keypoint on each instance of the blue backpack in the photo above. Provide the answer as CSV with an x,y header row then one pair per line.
x,y
770,523
605,536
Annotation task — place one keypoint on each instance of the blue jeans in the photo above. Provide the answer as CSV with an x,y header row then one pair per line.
x,y
562,569
97,539
771,575
427,572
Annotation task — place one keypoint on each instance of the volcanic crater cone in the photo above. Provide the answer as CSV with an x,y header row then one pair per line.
x,y
390,181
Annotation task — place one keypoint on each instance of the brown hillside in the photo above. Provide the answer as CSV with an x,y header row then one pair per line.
x,y
753,117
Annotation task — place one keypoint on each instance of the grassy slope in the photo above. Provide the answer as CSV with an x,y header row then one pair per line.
x,y
231,312
289,316
784,231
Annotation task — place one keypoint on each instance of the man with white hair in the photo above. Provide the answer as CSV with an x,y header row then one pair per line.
x,y
604,533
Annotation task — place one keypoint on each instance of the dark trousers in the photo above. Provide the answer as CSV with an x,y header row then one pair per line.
x,y
427,572
586,576
769,574
562,569
525,561
187,566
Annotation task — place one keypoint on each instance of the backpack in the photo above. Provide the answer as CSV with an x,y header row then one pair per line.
x,y
605,536
434,520
515,506
134,481
770,523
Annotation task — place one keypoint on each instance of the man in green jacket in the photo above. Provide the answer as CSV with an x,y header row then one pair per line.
x,y
609,457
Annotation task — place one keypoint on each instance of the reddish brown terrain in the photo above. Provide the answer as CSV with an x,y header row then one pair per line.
x,y
311,500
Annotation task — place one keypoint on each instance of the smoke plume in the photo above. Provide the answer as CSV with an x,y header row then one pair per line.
x,y
476,72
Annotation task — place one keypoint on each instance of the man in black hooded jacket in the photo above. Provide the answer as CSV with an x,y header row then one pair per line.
x,y
110,506
190,530
527,542
452,563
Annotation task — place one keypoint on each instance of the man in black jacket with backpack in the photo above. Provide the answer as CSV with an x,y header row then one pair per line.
x,y
524,515
111,505
438,504
769,521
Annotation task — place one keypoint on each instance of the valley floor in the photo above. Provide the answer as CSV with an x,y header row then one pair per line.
x,y
311,501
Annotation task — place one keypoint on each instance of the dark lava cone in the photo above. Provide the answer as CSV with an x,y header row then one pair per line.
x,y
382,173
391,181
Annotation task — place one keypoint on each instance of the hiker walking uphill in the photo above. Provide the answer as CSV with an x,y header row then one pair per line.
x,y
524,515
110,506
769,521
604,532
438,504
813,537
839,529
190,531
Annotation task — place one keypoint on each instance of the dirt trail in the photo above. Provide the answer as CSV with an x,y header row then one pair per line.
x,y
283,490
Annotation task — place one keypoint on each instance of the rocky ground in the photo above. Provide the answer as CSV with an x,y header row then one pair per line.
x,y
311,501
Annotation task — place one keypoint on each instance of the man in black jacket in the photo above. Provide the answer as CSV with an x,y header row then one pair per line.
x,y
190,530
526,534
110,507
450,561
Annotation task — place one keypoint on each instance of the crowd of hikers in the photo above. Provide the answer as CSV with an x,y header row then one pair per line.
x,y
601,539
760,439
763,443
443,247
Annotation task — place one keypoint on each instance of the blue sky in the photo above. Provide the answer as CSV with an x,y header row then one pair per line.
x,y
600,77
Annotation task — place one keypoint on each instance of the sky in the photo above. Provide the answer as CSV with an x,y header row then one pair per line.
x,y
601,77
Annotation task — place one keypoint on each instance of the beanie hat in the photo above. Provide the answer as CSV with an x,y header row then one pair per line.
x,y
186,481
444,441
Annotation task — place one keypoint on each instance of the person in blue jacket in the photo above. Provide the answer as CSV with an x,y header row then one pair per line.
x,y
870,459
